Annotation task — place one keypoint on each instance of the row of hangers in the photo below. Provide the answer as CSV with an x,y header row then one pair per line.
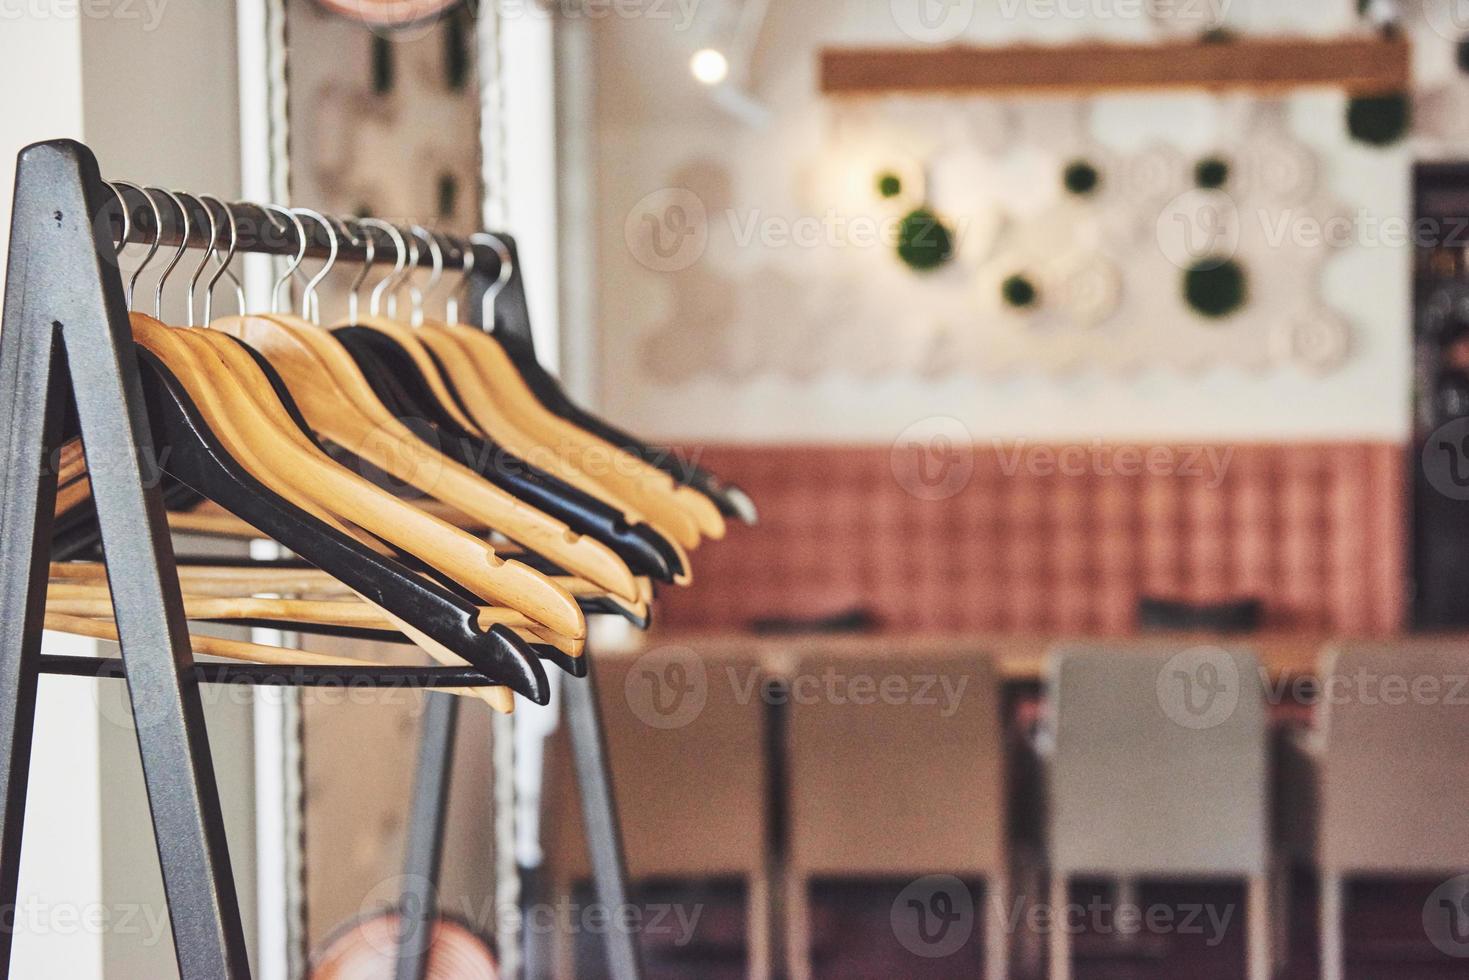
x,y
433,482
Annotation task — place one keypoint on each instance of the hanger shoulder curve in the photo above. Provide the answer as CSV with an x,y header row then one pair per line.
x,y
327,385
332,488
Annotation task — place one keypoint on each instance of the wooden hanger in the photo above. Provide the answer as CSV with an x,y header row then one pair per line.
x,y
406,378
237,582
435,350
406,337
339,404
208,463
632,475
676,527
382,440
321,485
424,345
232,403
70,461
510,406
499,698
211,522
94,599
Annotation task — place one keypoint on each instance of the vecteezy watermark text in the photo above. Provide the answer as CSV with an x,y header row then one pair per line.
x,y
149,12
1207,463
669,687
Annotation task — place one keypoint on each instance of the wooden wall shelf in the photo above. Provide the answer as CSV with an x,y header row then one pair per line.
x,y
1360,65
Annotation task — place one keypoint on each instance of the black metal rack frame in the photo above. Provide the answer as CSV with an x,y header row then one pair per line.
x,y
66,331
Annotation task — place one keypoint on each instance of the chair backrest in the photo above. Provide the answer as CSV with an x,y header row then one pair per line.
x,y
1159,761
1395,764
685,735
896,765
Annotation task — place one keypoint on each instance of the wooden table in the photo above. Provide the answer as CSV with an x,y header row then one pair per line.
x,y
1021,658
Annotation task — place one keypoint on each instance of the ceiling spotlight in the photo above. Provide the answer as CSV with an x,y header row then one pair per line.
x,y
709,66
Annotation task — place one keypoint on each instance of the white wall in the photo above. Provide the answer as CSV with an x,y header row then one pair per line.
x,y
655,126
150,87
61,859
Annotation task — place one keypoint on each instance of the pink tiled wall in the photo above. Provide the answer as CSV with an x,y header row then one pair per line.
x,y
1314,530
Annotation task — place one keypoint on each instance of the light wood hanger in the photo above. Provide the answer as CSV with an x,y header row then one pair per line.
x,y
685,512
652,490
384,441
237,405
415,343
340,405
499,698
93,599
677,529
436,353
320,484
402,333
237,582
73,494
221,524
70,461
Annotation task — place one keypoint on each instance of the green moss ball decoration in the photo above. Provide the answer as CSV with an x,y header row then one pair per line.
x,y
1019,292
889,184
1081,178
1215,288
924,243
1211,173
1379,120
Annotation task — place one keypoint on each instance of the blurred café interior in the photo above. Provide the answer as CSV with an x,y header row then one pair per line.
x,y
1047,422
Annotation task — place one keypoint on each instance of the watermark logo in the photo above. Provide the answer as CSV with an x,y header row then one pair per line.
x,y
132,708
1446,459
1447,18
667,688
934,916
668,230
1199,688
933,459
1199,227
933,21
401,465
1446,917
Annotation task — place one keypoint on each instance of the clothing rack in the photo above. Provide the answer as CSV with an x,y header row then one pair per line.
x,y
66,332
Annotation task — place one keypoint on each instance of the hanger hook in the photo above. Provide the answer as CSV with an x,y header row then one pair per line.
x,y
466,268
208,251
127,222
179,254
223,261
375,303
157,231
369,246
507,269
405,278
437,252
309,302
270,212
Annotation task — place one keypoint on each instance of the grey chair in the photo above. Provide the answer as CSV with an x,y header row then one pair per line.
x,y
1157,762
690,779
893,790
1379,786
